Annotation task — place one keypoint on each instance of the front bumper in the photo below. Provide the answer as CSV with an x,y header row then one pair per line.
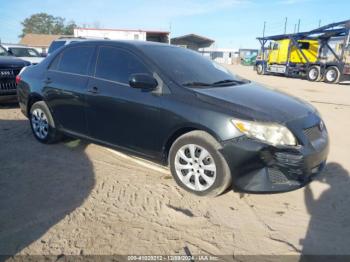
x,y
260,168
8,97
8,89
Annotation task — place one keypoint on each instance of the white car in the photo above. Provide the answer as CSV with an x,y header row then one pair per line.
x,y
25,53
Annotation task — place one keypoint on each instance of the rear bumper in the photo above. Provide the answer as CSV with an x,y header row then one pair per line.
x,y
260,168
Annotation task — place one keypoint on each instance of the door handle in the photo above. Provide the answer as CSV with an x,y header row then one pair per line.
x,y
93,90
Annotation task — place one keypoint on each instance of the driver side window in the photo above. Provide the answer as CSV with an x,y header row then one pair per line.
x,y
115,64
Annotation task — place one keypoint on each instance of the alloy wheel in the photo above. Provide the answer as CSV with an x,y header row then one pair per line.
x,y
195,167
39,123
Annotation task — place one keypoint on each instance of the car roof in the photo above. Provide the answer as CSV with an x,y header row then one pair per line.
x,y
131,43
76,39
70,39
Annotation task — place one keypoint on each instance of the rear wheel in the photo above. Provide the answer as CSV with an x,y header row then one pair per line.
x,y
260,69
332,75
42,124
197,166
314,73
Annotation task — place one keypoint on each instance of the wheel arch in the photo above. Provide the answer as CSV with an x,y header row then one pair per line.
x,y
179,131
32,99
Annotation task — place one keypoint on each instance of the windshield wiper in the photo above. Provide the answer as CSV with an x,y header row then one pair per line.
x,y
228,82
225,82
196,84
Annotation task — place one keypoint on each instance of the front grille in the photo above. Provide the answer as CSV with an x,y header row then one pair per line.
x,y
8,85
313,133
8,81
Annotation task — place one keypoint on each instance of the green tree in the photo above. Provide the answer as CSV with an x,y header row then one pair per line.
x,y
43,23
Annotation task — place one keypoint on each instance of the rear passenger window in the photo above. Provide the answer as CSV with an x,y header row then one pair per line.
x,y
76,60
117,65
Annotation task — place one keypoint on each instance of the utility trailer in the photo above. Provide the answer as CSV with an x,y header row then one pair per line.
x,y
319,54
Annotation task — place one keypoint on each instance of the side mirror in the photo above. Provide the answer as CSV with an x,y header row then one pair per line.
x,y
143,81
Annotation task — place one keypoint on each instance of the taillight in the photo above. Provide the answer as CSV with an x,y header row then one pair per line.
x,y
18,79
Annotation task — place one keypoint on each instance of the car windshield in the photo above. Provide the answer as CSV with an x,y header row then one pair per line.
x,y
24,52
189,68
3,52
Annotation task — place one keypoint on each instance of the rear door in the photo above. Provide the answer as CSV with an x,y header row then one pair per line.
x,y
65,87
117,113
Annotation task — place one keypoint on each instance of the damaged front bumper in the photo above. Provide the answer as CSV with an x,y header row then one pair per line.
x,y
260,168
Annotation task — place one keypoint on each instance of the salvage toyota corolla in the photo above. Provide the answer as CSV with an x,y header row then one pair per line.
x,y
178,108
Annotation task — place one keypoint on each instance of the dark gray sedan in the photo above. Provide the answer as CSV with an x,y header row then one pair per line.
x,y
174,106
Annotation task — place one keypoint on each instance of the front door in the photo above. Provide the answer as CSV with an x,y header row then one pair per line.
x,y
117,113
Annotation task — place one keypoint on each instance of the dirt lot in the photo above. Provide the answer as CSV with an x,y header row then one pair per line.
x,y
80,198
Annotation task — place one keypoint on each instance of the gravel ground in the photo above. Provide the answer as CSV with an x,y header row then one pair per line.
x,y
81,198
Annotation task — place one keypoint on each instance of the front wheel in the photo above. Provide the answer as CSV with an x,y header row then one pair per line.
x,y
260,69
197,166
42,124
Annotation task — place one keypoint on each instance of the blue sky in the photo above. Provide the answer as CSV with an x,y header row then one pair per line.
x,y
231,23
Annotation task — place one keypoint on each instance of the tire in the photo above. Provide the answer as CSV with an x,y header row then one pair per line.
x,y
209,176
260,69
332,75
313,74
42,124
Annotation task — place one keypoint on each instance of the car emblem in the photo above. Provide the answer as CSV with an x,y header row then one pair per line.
x,y
321,126
6,73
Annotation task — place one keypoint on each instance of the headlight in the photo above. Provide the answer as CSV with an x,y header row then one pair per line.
x,y
271,133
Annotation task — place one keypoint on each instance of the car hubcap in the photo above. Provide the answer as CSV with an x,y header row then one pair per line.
x,y
39,123
331,75
313,74
195,167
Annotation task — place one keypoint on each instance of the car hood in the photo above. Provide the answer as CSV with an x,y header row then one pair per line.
x,y
254,102
11,62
